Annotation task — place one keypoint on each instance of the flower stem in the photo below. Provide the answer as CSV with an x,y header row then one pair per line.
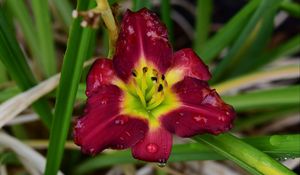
x,y
104,9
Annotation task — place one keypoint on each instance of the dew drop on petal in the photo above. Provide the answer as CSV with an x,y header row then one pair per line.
x,y
122,138
177,123
181,114
120,121
162,163
152,148
200,119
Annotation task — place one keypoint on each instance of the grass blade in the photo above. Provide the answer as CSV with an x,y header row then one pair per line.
x,y
47,59
276,97
78,47
228,33
166,17
245,155
292,8
290,47
3,76
232,58
197,151
14,61
138,4
203,19
64,10
21,13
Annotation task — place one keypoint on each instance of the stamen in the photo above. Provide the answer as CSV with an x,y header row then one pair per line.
x,y
155,100
145,69
134,73
154,79
163,77
160,88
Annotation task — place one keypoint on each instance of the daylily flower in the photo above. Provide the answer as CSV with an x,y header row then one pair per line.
x,y
146,93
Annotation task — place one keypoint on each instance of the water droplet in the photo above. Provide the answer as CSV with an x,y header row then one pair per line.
x,y
181,114
162,163
121,120
177,123
152,148
200,119
120,146
103,101
128,133
122,138
221,118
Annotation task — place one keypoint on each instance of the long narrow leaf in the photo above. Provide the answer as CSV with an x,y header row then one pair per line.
x,y
78,47
64,10
228,33
14,60
21,13
203,18
198,151
166,17
265,98
242,43
245,155
45,37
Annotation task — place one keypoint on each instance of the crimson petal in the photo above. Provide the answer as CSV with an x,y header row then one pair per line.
x,y
202,111
101,73
142,35
103,127
155,147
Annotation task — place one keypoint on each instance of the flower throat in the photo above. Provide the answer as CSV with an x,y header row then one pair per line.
x,y
149,87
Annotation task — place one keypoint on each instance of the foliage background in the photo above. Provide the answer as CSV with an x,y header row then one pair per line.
x,y
252,48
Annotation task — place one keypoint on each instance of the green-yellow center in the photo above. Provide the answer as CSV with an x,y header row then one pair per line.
x,y
148,85
147,94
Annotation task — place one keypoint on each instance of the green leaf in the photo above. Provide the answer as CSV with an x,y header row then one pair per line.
x,y
166,17
250,53
45,40
245,155
64,9
21,13
247,122
228,33
197,151
77,51
15,62
244,40
203,20
3,76
138,4
261,99
292,8
290,47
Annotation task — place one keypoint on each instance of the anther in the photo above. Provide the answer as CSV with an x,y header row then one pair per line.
x,y
145,69
133,73
154,79
160,88
163,77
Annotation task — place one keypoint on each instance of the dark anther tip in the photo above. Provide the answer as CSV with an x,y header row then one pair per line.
x,y
163,77
154,78
133,73
160,87
145,69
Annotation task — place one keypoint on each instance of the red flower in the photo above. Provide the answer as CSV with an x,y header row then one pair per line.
x,y
146,93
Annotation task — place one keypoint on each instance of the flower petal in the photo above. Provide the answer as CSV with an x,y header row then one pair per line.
x,y
102,125
101,73
142,36
202,110
187,63
155,147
